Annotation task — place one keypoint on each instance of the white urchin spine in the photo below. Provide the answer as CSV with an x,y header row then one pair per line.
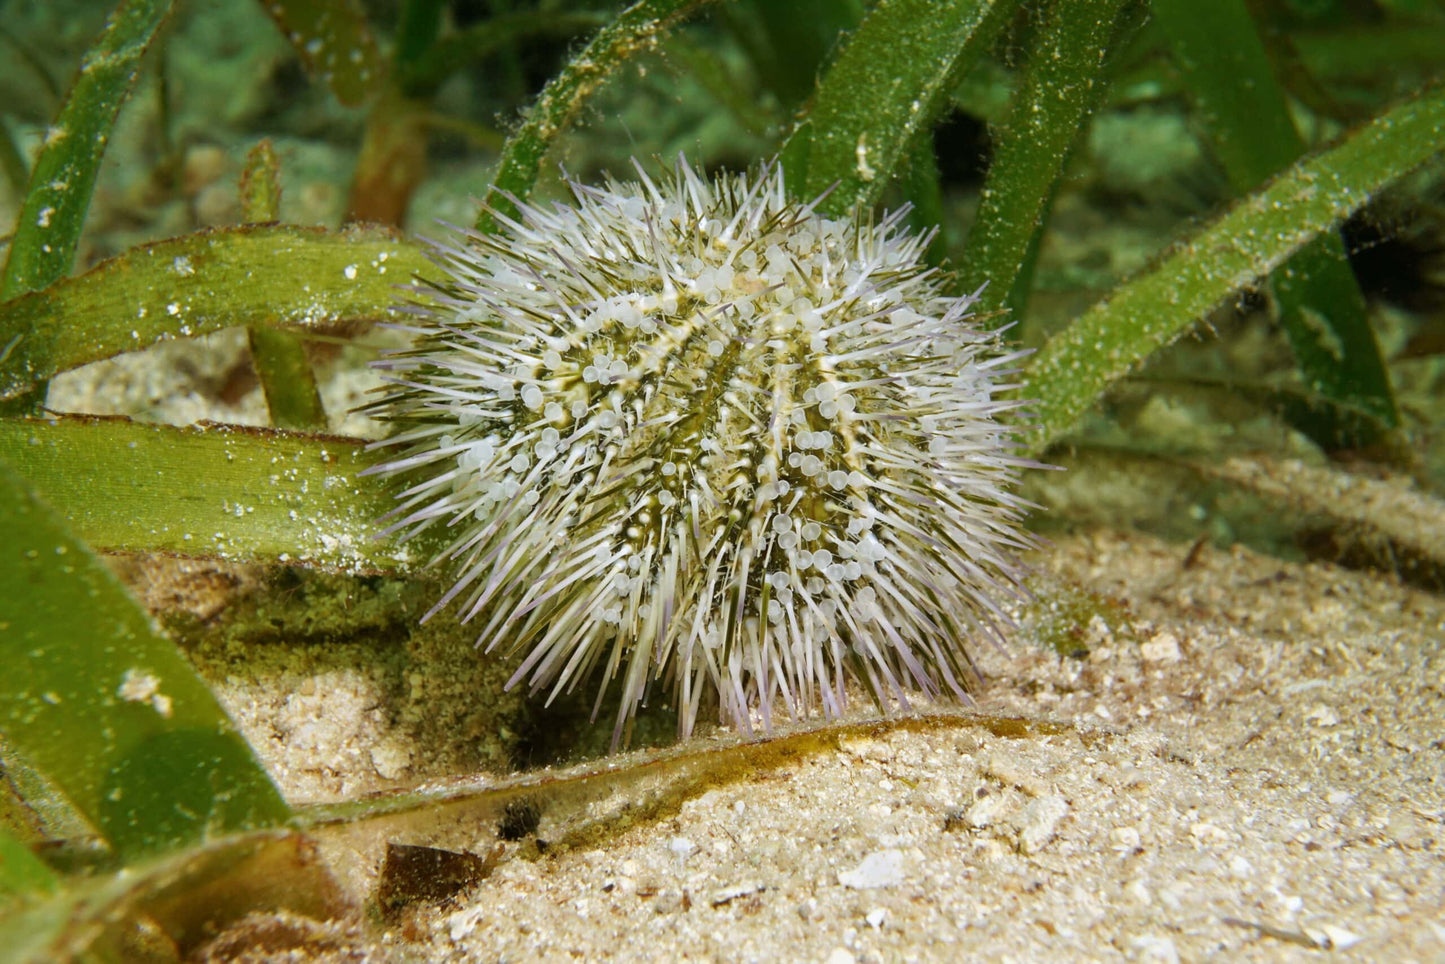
x,y
695,433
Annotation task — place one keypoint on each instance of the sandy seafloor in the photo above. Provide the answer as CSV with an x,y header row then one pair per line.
x,y
1250,766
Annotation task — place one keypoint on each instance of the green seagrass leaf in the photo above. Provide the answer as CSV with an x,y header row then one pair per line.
x,y
209,491
1064,81
53,213
1246,116
421,73
636,29
105,707
305,278
261,184
335,42
22,874
1257,235
885,85
278,356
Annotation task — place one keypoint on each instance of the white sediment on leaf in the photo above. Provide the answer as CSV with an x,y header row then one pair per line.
x,y
690,432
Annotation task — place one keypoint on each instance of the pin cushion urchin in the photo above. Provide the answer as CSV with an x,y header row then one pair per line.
x,y
695,434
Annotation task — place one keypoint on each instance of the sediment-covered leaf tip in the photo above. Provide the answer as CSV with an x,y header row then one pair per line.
x,y
693,434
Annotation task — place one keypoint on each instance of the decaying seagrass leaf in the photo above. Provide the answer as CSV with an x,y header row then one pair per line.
x,y
1362,523
583,805
169,909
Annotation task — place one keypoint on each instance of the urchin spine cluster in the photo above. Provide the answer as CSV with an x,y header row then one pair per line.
x,y
694,433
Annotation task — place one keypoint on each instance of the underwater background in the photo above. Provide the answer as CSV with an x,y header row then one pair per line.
x,y
1219,227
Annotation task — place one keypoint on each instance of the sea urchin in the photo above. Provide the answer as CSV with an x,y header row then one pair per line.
x,y
697,433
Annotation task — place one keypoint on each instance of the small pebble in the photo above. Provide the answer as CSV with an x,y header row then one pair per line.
x,y
986,811
881,869
1157,950
1039,822
1162,647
